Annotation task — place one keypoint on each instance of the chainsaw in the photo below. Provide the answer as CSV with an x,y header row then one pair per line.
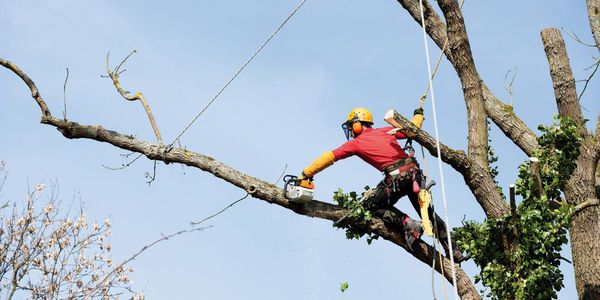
x,y
298,190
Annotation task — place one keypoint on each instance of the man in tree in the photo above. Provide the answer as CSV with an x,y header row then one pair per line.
x,y
379,148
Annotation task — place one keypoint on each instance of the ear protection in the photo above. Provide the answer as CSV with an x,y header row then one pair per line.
x,y
357,128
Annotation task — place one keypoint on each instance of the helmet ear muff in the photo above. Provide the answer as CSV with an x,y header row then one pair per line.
x,y
357,128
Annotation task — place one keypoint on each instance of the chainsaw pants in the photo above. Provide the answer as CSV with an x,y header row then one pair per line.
x,y
387,193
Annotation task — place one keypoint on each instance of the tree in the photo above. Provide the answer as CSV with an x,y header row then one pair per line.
x,y
46,253
473,165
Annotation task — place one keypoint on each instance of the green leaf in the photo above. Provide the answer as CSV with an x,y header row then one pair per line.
x,y
344,286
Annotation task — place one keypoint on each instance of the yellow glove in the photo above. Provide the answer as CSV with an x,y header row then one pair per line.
x,y
417,118
325,160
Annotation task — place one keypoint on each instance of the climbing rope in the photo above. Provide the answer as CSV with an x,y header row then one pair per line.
x,y
437,64
235,75
437,142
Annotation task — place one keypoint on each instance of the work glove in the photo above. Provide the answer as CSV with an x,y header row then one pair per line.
x,y
303,176
418,111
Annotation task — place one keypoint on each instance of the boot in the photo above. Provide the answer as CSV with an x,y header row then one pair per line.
x,y
456,253
412,230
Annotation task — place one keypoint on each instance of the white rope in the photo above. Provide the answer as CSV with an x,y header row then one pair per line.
x,y
239,71
439,155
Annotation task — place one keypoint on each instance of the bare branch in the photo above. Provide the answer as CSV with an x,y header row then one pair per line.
x,y
562,77
501,114
114,76
35,94
588,203
221,211
576,38
124,165
587,81
508,85
464,65
65,95
146,247
255,187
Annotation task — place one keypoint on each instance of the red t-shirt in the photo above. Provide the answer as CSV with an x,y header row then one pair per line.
x,y
374,146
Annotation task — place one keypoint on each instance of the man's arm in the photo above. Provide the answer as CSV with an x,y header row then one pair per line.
x,y
328,158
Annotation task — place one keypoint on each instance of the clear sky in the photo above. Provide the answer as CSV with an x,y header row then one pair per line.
x,y
285,108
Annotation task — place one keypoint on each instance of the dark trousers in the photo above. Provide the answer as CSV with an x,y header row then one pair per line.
x,y
387,193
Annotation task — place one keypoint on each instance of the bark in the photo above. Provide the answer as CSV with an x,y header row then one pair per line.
x,y
580,188
477,178
565,91
259,189
501,114
594,16
464,65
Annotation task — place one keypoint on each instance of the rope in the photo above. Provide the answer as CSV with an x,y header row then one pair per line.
x,y
437,142
238,72
437,64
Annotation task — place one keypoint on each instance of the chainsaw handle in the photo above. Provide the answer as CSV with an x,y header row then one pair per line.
x,y
287,179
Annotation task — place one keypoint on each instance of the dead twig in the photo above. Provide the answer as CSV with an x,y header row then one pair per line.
x,y
146,247
587,81
508,87
114,76
576,38
65,95
281,176
221,211
123,166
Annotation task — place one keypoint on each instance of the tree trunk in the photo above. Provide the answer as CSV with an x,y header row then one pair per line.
x,y
585,228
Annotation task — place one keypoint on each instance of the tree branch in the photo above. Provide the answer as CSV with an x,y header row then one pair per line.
x,y
35,94
594,16
114,76
501,114
562,77
255,187
464,65
476,177
583,205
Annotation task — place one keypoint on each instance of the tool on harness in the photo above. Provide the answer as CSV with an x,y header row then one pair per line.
x,y
298,190
424,204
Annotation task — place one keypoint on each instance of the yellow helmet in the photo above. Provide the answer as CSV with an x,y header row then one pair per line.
x,y
354,124
360,114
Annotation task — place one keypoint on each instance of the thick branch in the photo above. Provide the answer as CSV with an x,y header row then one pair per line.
x,y
501,114
562,77
594,16
35,94
476,177
257,188
464,65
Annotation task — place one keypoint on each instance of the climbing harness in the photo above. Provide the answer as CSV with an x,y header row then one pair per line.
x,y
235,75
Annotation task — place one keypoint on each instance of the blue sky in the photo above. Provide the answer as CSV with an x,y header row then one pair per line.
x,y
285,108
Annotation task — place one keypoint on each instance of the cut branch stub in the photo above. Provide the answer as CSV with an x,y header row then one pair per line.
x,y
535,172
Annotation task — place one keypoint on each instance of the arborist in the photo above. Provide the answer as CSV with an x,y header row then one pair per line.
x,y
379,148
